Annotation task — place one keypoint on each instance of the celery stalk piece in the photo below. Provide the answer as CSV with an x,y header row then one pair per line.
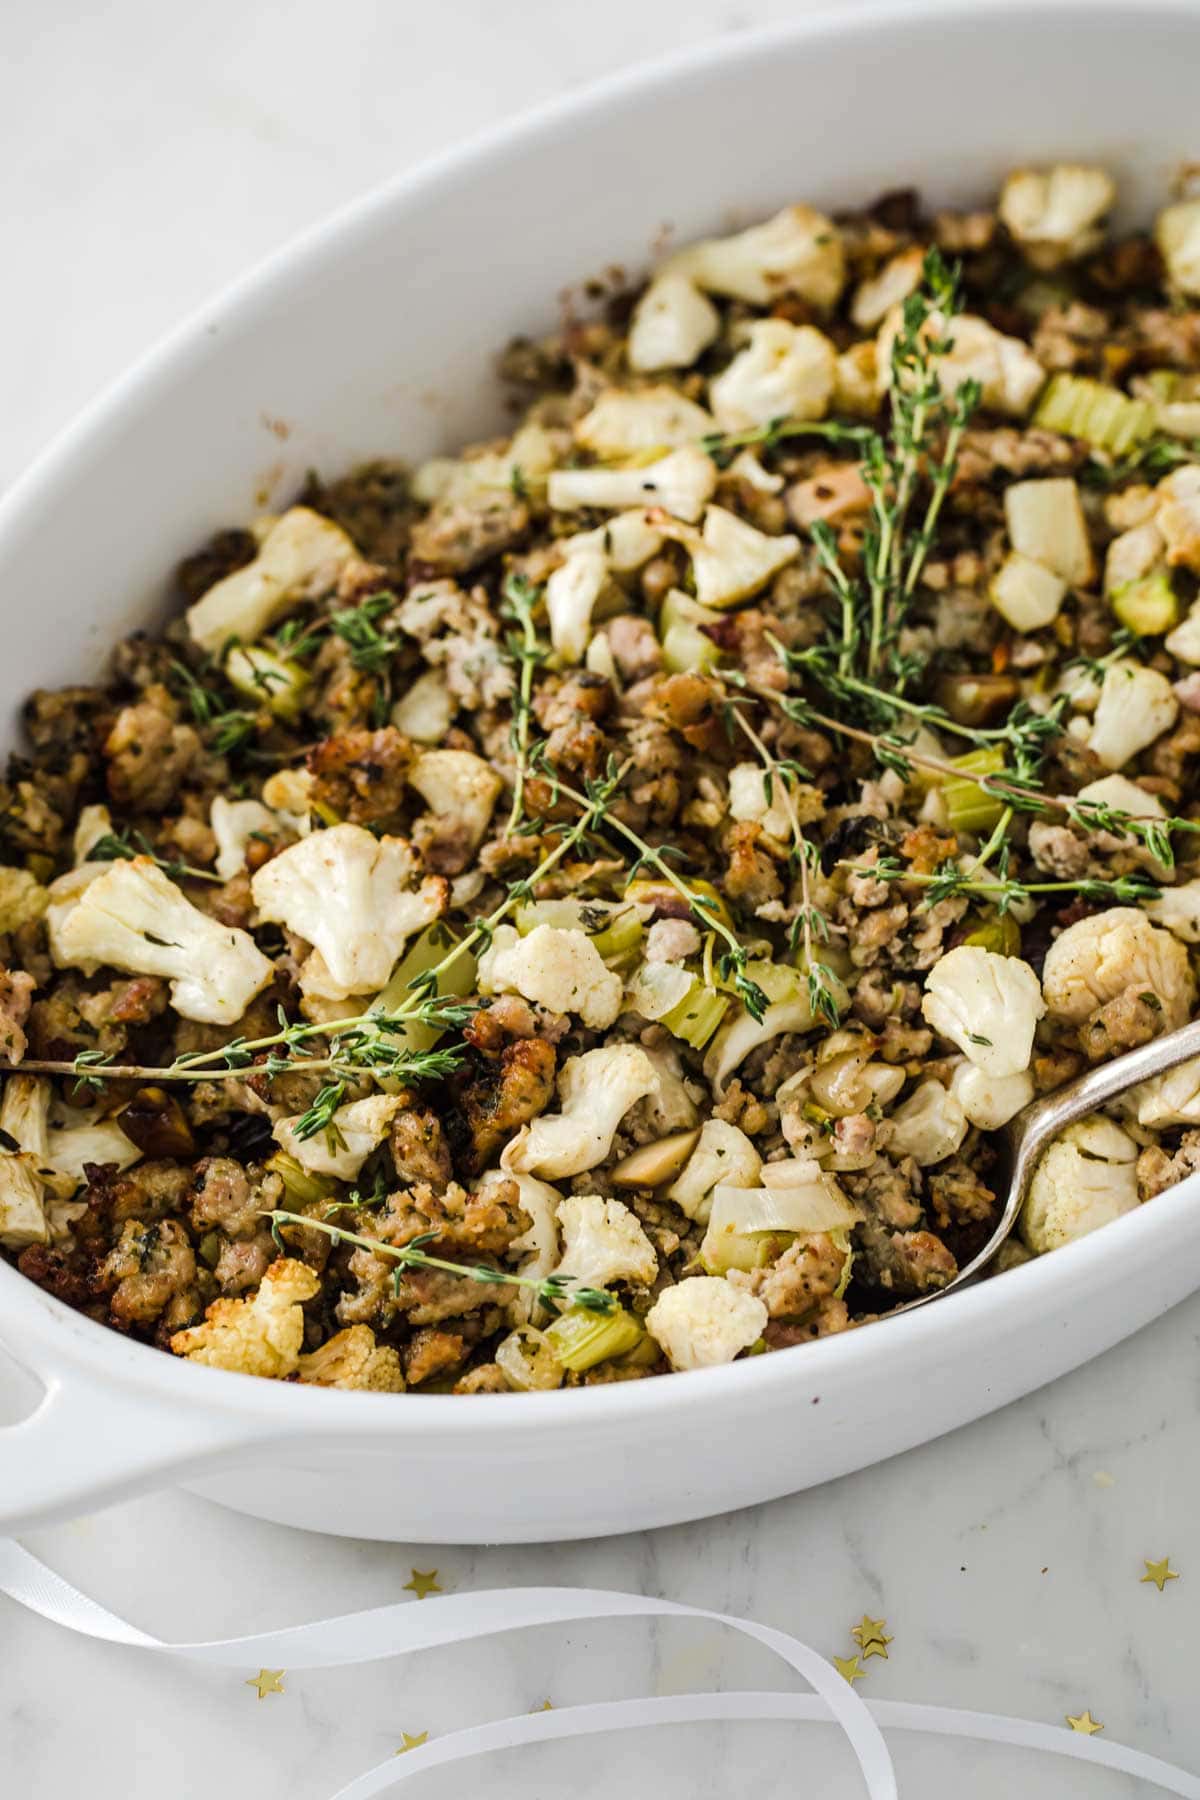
x,y
1148,606
564,915
458,977
1101,415
744,1250
622,936
1001,935
271,681
580,1339
679,608
685,648
968,806
301,1186
696,1017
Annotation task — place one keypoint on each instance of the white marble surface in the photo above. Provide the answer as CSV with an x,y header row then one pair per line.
x,y
149,153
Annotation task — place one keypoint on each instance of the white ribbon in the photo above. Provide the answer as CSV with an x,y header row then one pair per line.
x,y
454,1618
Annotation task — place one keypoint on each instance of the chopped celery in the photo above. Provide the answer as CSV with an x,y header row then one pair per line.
x,y
1001,935
842,1240
580,1339
968,806
1147,606
273,681
622,936
564,915
301,1186
1100,415
685,648
425,952
696,1017
744,1250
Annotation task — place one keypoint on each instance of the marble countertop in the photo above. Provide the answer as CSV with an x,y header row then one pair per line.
x,y
152,153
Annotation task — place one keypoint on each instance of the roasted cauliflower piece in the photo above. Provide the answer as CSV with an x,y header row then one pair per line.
x,y
1109,954
352,1359
703,1321
261,1335
1086,1178
130,916
300,558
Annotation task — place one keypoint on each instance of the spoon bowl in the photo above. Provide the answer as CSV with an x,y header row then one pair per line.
x,y
1028,1132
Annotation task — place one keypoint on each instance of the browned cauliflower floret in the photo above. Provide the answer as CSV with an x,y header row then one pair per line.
x,y
352,1359
1099,958
261,1335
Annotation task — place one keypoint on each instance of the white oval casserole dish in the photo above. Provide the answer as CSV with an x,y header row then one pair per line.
x,y
377,335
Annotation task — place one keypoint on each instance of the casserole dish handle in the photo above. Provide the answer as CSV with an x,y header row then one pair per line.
x,y
84,1449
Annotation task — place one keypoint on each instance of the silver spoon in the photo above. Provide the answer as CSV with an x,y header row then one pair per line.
x,y
1029,1131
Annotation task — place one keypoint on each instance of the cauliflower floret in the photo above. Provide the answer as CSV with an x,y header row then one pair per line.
x,y
623,544
680,482
703,1321
300,558
1026,594
1008,373
929,1126
1184,642
556,968
1046,523
990,1101
352,1359
24,1112
458,784
235,823
1178,516
1178,908
898,278
1136,706
1170,1099
603,1243
595,1092
1100,957
748,799
730,559
354,1131
131,917
425,710
624,423
799,251
22,898
538,1247
93,823
571,595
1177,234
451,480
261,1335
672,323
1086,1178
785,371
350,895
1123,795
1134,553
78,1138
988,1005
1054,214
723,1156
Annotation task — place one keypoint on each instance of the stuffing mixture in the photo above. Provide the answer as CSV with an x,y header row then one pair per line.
x,y
578,909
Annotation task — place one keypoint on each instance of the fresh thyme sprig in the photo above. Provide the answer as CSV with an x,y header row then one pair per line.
x,y
526,651
232,726
124,845
554,1290
723,446
362,1043
950,879
810,923
704,908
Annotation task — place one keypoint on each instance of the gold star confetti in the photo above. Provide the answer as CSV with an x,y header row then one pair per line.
x,y
871,1637
1084,1723
1159,1572
424,1582
267,1681
412,1742
847,1667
